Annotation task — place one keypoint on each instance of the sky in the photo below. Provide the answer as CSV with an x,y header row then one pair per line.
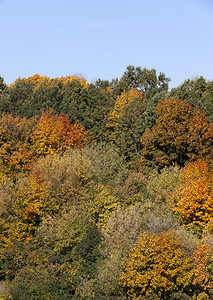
x,y
99,39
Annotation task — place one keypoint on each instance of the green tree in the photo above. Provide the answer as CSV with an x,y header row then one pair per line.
x,y
197,92
142,79
99,103
2,84
137,93
61,260
128,131
20,93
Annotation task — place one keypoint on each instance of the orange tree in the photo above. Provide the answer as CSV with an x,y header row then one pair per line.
x,y
157,265
16,154
194,194
39,80
180,133
55,134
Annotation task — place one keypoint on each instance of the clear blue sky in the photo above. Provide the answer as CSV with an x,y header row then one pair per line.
x,y
99,39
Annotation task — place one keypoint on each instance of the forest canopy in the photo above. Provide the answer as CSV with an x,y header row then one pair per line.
x,y
106,188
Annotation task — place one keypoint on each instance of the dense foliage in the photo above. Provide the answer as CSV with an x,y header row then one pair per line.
x,y
106,188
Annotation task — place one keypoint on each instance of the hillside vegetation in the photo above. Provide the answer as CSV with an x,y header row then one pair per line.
x,y
106,189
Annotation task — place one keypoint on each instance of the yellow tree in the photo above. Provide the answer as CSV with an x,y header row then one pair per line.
x,y
103,204
39,80
194,194
122,100
156,265
71,78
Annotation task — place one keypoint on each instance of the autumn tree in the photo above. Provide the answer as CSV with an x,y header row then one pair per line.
x,y
180,133
103,205
156,265
127,133
203,259
55,134
125,123
136,96
27,208
54,184
15,144
194,194
122,100
19,223
66,178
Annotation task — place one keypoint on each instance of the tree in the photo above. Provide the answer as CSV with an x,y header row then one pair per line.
x,y
128,131
194,194
203,259
180,133
125,122
197,92
156,265
53,93
141,79
15,142
103,204
122,100
98,104
2,84
19,98
55,134
120,234
61,260
136,95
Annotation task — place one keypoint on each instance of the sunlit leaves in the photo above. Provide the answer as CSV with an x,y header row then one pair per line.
x,y
55,134
194,194
103,204
122,100
157,264
39,80
15,138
